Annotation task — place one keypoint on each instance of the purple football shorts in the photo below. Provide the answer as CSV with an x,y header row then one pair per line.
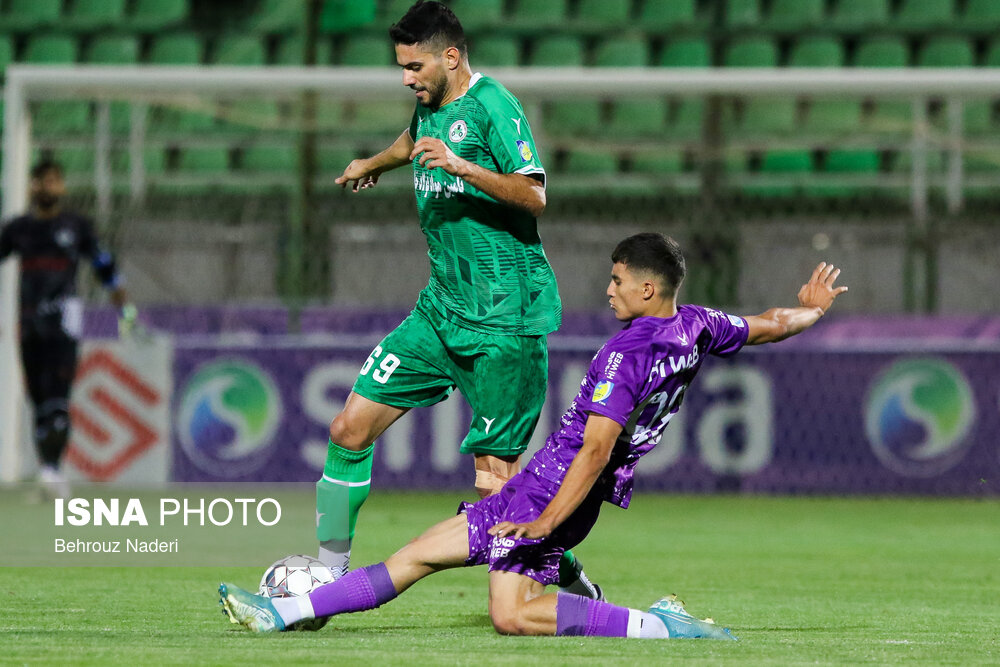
x,y
522,500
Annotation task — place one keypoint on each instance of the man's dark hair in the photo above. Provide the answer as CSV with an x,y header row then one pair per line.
x,y
655,253
44,167
429,23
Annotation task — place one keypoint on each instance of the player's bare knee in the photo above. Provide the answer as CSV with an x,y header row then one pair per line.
x,y
344,431
507,621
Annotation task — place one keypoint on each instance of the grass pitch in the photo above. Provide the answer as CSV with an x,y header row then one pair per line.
x,y
828,581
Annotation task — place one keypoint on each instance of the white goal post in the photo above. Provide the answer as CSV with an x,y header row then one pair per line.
x,y
27,83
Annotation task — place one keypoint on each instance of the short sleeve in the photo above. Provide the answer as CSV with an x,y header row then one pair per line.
x,y
509,137
615,381
729,332
415,123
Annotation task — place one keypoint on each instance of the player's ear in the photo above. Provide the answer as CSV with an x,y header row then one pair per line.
x,y
453,57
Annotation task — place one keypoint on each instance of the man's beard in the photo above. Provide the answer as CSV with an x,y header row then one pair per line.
x,y
46,201
435,93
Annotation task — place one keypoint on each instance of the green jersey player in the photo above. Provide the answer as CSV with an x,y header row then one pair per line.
x,y
481,322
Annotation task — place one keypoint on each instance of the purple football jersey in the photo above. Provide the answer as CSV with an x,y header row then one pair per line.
x,y
638,378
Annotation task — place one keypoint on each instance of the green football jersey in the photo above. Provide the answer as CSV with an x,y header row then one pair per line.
x,y
488,270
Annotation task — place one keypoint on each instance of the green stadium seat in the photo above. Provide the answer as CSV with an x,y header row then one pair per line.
x,y
113,51
923,15
333,160
622,52
742,13
882,52
154,160
658,162
591,162
946,52
338,17
832,118
176,49
601,16
291,51
60,117
239,50
859,15
685,52
50,50
903,162
31,15
368,51
270,159
89,15
845,162
977,118
663,15
382,117
156,15
557,51
763,117
638,117
794,15
277,16
992,57
6,52
494,52
573,117
204,159
817,52
178,120
982,160
685,119
981,17
534,17
785,162
75,159
477,15
388,12
751,52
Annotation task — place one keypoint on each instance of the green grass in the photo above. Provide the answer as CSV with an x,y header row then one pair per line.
x,y
828,581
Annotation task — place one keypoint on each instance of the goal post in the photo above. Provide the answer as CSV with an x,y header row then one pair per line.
x,y
143,87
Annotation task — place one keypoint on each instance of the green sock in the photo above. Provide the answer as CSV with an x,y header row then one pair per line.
x,y
569,569
340,494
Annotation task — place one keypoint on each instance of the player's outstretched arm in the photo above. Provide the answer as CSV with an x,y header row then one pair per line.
x,y
599,436
815,298
363,174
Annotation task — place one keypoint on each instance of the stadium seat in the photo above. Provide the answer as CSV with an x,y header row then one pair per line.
x,y
156,15
291,51
277,16
89,15
557,51
663,15
6,52
859,15
882,52
182,120
832,118
946,52
368,51
638,117
992,57
658,162
333,160
794,15
60,117
573,117
381,117
685,119
844,162
31,15
388,11
50,50
685,52
981,17
204,159
591,162
817,52
751,52
602,16
534,17
903,162
112,51
923,15
978,160
477,15
239,50
785,162
494,52
622,51
176,49
977,118
74,159
339,17
270,159
742,13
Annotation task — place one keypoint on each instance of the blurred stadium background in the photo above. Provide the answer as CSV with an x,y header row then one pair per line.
x,y
249,264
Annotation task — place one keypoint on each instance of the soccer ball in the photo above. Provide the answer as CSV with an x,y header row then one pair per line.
x,y
294,576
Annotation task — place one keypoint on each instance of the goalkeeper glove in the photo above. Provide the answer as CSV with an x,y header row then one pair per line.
x,y
126,320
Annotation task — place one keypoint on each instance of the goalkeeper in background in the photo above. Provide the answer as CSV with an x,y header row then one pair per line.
x,y
50,242
481,323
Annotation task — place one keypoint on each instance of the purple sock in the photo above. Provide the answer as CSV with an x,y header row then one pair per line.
x,y
359,590
580,616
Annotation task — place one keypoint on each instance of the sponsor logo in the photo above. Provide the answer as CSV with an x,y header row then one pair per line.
x,y
602,390
611,368
735,321
524,151
458,131
517,123
229,412
917,417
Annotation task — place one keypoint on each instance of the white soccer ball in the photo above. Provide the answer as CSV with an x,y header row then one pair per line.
x,y
294,576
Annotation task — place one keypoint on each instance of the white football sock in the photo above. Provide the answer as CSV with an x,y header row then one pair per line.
x,y
293,609
643,625
337,561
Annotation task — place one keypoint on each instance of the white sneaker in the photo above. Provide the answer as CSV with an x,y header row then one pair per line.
x,y
53,483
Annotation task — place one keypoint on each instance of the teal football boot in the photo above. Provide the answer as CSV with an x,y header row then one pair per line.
x,y
254,612
682,625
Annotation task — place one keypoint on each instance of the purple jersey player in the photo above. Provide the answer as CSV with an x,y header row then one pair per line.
x,y
634,385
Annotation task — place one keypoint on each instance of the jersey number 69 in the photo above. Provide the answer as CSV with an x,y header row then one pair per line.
x,y
385,368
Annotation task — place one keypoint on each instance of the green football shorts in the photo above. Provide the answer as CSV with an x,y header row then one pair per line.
x,y
503,378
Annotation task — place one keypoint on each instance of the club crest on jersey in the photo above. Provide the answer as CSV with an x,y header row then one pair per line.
x,y
602,391
524,151
458,131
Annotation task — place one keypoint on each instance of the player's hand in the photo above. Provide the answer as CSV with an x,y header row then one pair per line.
x,y
359,174
127,316
534,530
435,154
819,292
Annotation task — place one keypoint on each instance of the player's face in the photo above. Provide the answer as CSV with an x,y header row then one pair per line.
x,y
48,189
627,293
425,72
